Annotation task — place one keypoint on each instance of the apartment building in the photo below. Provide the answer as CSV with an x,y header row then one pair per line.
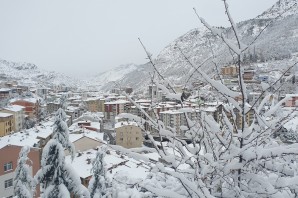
x,y
92,104
128,135
6,124
292,101
8,163
31,106
18,116
231,70
238,121
52,107
5,93
174,119
113,108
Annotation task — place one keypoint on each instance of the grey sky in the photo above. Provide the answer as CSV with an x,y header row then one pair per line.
x,y
80,37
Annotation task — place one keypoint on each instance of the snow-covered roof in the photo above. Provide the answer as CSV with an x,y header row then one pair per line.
x,y
87,133
171,112
291,95
208,109
91,99
28,137
5,115
114,164
14,108
143,101
31,100
118,102
120,124
4,89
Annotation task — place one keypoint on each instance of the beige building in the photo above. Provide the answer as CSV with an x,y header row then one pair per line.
x,y
128,135
93,104
6,124
231,70
18,116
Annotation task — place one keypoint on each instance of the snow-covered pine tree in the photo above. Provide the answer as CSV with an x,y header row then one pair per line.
x,y
23,180
98,183
57,178
61,132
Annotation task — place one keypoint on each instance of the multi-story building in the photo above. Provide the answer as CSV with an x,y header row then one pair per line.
x,y
6,124
18,116
155,93
248,74
52,107
8,163
5,93
113,108
175,119
238,121
31,106
231,71
128,135
292,101
93,104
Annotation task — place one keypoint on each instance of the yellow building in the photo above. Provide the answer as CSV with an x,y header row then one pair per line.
x,y
6,124
128,135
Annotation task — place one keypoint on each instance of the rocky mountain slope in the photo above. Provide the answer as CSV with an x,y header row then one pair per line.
x,y
277,42
30,74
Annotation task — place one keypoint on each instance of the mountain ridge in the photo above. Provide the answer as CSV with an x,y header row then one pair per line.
x,y
273,44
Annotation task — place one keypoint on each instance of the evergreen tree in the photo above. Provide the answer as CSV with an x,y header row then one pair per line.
x,y
61,132
23,181
98,185
59,179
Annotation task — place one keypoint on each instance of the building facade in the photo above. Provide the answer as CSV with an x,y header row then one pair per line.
x,y
6,124
8,163
31,106
128,135
18,116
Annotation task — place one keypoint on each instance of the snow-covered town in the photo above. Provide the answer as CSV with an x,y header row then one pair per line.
x,y
215,114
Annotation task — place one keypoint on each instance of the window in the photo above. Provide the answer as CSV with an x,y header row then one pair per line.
x,y
8,183
121,139
8,166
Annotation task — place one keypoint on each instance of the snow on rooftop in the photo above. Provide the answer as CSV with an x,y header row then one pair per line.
x,y
114,164
87,133
143,101
118,102
14,108
171,112
5,115
28,137
31,100
119,124
4,89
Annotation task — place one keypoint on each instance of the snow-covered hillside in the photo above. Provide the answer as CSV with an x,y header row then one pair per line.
x,y
30,74
278,42
288,7
115,74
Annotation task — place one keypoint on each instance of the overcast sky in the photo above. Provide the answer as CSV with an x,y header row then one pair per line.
x,y
80,37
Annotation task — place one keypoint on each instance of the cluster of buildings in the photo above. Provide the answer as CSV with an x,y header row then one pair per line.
x,y
93,118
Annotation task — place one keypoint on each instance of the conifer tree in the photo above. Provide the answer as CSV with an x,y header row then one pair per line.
x,y
59,179
23,181
98,184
